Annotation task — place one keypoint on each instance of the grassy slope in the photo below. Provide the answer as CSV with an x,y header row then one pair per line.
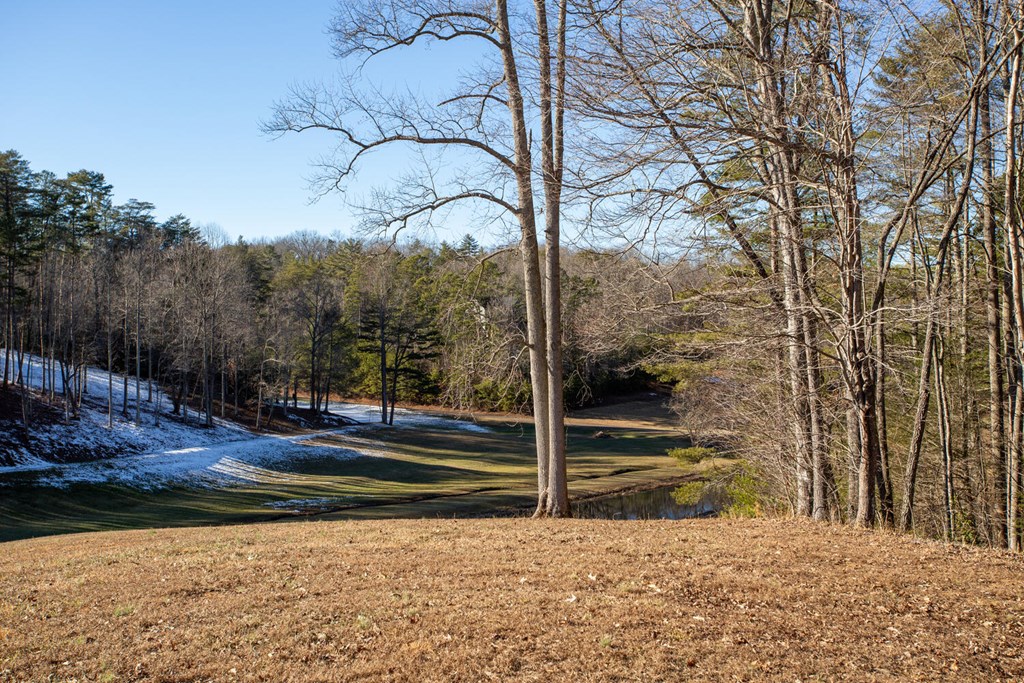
x,y
426,473
510,599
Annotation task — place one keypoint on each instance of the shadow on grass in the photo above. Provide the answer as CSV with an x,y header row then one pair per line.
x,y
429,472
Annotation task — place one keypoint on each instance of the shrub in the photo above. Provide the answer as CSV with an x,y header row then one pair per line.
x,y
740,493
691,455
690,493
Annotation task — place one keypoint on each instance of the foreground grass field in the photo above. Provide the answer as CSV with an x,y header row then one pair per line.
x,y
415,473
508,600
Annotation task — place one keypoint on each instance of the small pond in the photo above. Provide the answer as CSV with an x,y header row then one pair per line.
x,y
651,504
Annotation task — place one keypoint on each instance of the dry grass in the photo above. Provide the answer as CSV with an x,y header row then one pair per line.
x,y
471,600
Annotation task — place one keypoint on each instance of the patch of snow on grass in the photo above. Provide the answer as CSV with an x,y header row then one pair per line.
x,y
149,456
250,460
405,418
305,504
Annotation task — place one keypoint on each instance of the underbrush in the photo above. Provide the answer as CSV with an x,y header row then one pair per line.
x,y
737,490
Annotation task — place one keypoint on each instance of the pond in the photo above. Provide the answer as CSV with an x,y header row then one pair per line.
x,y
651,504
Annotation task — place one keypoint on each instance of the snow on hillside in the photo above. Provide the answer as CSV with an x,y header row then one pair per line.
x,y
149,457
89,436
252,460
404,418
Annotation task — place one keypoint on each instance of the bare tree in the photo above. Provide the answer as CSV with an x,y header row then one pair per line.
x,y
488,118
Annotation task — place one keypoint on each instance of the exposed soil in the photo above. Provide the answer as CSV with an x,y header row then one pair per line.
x,y
12,430
40,413
469,600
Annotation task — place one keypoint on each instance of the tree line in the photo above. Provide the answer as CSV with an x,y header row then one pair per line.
x,y
246,329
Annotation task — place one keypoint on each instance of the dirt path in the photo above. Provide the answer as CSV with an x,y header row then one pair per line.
x,y
508,600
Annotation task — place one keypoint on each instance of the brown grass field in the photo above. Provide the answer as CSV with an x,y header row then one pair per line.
x,y
508,600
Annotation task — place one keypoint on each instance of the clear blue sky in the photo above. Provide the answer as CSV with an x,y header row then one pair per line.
x,y
165,99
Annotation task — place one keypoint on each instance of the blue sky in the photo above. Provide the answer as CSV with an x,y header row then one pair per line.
x,y
165,99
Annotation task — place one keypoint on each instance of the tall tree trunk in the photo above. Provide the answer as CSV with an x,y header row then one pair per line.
x,y
127,360
138,358
330,376
156,406
551,166
110,362
1013,240
528,245
234,380
797,378
945,437
383,366
9,312
993,321
399,358
886,506
759,31
821,482
223,381
259,388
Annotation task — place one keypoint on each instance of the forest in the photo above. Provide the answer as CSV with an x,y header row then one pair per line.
x,y
228,325
804,219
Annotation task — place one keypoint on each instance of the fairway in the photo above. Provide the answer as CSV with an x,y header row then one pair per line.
x,y
420,472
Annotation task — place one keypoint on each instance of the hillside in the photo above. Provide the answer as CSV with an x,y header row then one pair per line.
x,y
88,437
443,600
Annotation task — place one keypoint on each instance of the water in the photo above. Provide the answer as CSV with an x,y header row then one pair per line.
x,y
652,504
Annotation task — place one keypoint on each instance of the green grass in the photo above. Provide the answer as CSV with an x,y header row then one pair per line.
x,y
427,473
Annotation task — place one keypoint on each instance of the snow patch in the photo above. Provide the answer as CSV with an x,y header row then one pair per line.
x,y
305,504
90,433
252,460
405,418
149,456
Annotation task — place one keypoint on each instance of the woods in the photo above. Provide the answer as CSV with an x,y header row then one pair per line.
x,y
803,217
845,174
230,329
861,212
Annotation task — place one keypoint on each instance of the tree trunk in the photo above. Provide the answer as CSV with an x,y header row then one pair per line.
x,y
138,360
551,165
993,308
886,506
383,366
530,252
1013,240
110,364
945,440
